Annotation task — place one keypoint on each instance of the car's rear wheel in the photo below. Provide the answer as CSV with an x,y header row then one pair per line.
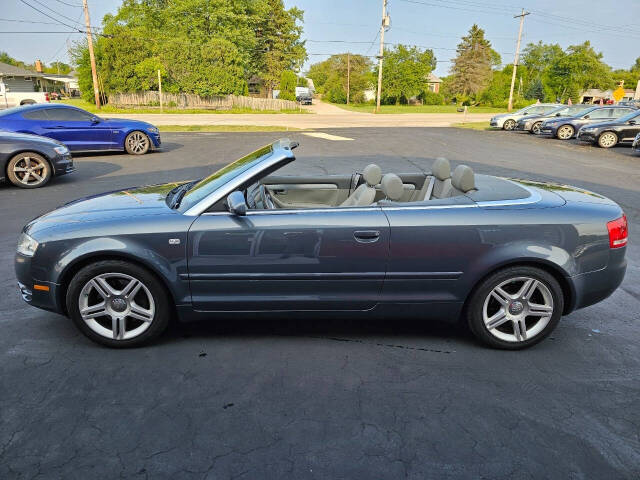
x,y
137,143
515,308
565,132
28,170
118,304
509,124
608,140
536,128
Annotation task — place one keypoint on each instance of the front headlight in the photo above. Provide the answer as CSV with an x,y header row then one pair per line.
x,y
62,150
153,129
27,246
588,129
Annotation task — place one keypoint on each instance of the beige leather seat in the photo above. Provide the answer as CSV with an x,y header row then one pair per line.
x,y
365,193
462,181
392,187
441,171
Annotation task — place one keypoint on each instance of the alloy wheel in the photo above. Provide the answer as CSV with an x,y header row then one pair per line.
x,y
509,124
30,171
518,309
608,140
535,129
137,143
116,306
565,132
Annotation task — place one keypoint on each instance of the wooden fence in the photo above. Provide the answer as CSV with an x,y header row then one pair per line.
x,y
187,100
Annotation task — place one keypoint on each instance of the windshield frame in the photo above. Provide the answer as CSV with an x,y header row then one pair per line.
x,y
231,177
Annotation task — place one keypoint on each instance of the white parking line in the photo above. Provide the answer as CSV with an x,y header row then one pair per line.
x,y
326,136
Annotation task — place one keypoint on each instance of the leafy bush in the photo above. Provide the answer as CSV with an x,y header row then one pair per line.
x,y
288,81
431,98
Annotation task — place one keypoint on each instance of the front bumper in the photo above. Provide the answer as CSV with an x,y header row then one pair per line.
x,y
548,130
155,140
636,145
63,164
586,136
36,292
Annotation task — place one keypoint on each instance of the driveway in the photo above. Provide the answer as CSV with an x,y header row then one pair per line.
x,y
325,398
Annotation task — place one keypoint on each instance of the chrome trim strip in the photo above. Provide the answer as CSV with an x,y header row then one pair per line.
x,y
283,211
322,275
534,197
301,186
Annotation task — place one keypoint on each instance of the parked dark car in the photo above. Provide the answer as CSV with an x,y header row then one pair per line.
x,y
609,134
532,123
305,99
636,144
566,128
80,130
508,121
509,257
29,161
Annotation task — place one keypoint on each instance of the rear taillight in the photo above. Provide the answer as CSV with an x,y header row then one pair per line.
x,y
46,96
618,232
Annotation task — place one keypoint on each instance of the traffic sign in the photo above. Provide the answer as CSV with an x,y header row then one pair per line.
x,y
618,93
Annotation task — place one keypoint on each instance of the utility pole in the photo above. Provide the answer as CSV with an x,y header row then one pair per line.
x,y
515,58
348,76
383,25
160,89
94,75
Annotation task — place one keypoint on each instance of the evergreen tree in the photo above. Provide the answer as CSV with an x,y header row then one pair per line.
x,y
535,90
287,85
471,69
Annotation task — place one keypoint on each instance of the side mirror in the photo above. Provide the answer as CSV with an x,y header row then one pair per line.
x,y
632,122
236,203
586,117
558,114
95,120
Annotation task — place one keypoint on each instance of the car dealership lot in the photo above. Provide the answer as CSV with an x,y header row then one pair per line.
x,y
324,397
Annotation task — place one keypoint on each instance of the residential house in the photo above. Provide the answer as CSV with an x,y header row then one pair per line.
x,y
18,79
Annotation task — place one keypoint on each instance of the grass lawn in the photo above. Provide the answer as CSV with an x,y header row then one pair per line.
x,y
225,128
473,125
90,107
365,108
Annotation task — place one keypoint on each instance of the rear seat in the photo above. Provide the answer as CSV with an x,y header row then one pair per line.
x,y
462,181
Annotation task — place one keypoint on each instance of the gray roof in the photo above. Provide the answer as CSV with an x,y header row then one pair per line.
x,y
6,69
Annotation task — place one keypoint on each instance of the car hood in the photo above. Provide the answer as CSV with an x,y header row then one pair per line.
x,y
560,119
6,135
526,118
122,204
126,123
502,115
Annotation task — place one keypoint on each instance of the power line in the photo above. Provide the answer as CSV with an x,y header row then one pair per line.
x,y
69,4
52,10
49,16
26,21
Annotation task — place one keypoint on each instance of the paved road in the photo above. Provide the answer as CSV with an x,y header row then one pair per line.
x,y
325,398
324,116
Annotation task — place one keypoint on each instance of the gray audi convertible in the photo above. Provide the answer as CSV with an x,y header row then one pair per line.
x,y
506,257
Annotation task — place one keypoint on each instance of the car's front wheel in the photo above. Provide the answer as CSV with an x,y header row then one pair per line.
x,y
137,143
608,140
509,124
118,304
565,132
515,308
29,170
536,128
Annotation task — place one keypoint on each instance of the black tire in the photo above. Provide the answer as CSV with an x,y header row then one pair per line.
x,y
608,139
535,128
509,124
474,309
38,174
565,132
161,299
137,143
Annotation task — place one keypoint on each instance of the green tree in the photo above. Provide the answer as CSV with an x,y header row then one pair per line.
x,y
200,46
330,77
471,69
405,73
57,67
287,85
535,90
537,57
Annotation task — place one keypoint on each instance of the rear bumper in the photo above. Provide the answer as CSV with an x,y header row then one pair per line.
x,y
593,287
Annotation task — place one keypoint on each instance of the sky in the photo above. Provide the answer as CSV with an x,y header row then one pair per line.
x,y
611,26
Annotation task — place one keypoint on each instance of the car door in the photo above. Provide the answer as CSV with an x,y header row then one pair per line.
x,y
430,250
311,191
77,129
315,259
631,128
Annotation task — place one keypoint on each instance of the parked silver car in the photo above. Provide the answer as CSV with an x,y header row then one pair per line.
x,y
532,123
508,121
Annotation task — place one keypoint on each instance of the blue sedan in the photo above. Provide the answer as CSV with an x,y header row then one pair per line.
x,y
80,130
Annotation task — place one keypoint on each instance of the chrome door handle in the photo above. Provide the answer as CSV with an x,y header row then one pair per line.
x,y
366,236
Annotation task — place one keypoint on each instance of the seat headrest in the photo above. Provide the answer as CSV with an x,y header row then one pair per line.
x,y
392,186
372,174
463,179
441,169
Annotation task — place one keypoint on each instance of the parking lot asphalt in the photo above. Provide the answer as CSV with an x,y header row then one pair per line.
x,y
325,398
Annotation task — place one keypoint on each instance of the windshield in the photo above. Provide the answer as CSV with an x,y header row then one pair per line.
x,y
569,110
214,181
628,116
585,112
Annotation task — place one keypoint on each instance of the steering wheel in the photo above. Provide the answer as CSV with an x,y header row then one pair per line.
x,y
267,202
